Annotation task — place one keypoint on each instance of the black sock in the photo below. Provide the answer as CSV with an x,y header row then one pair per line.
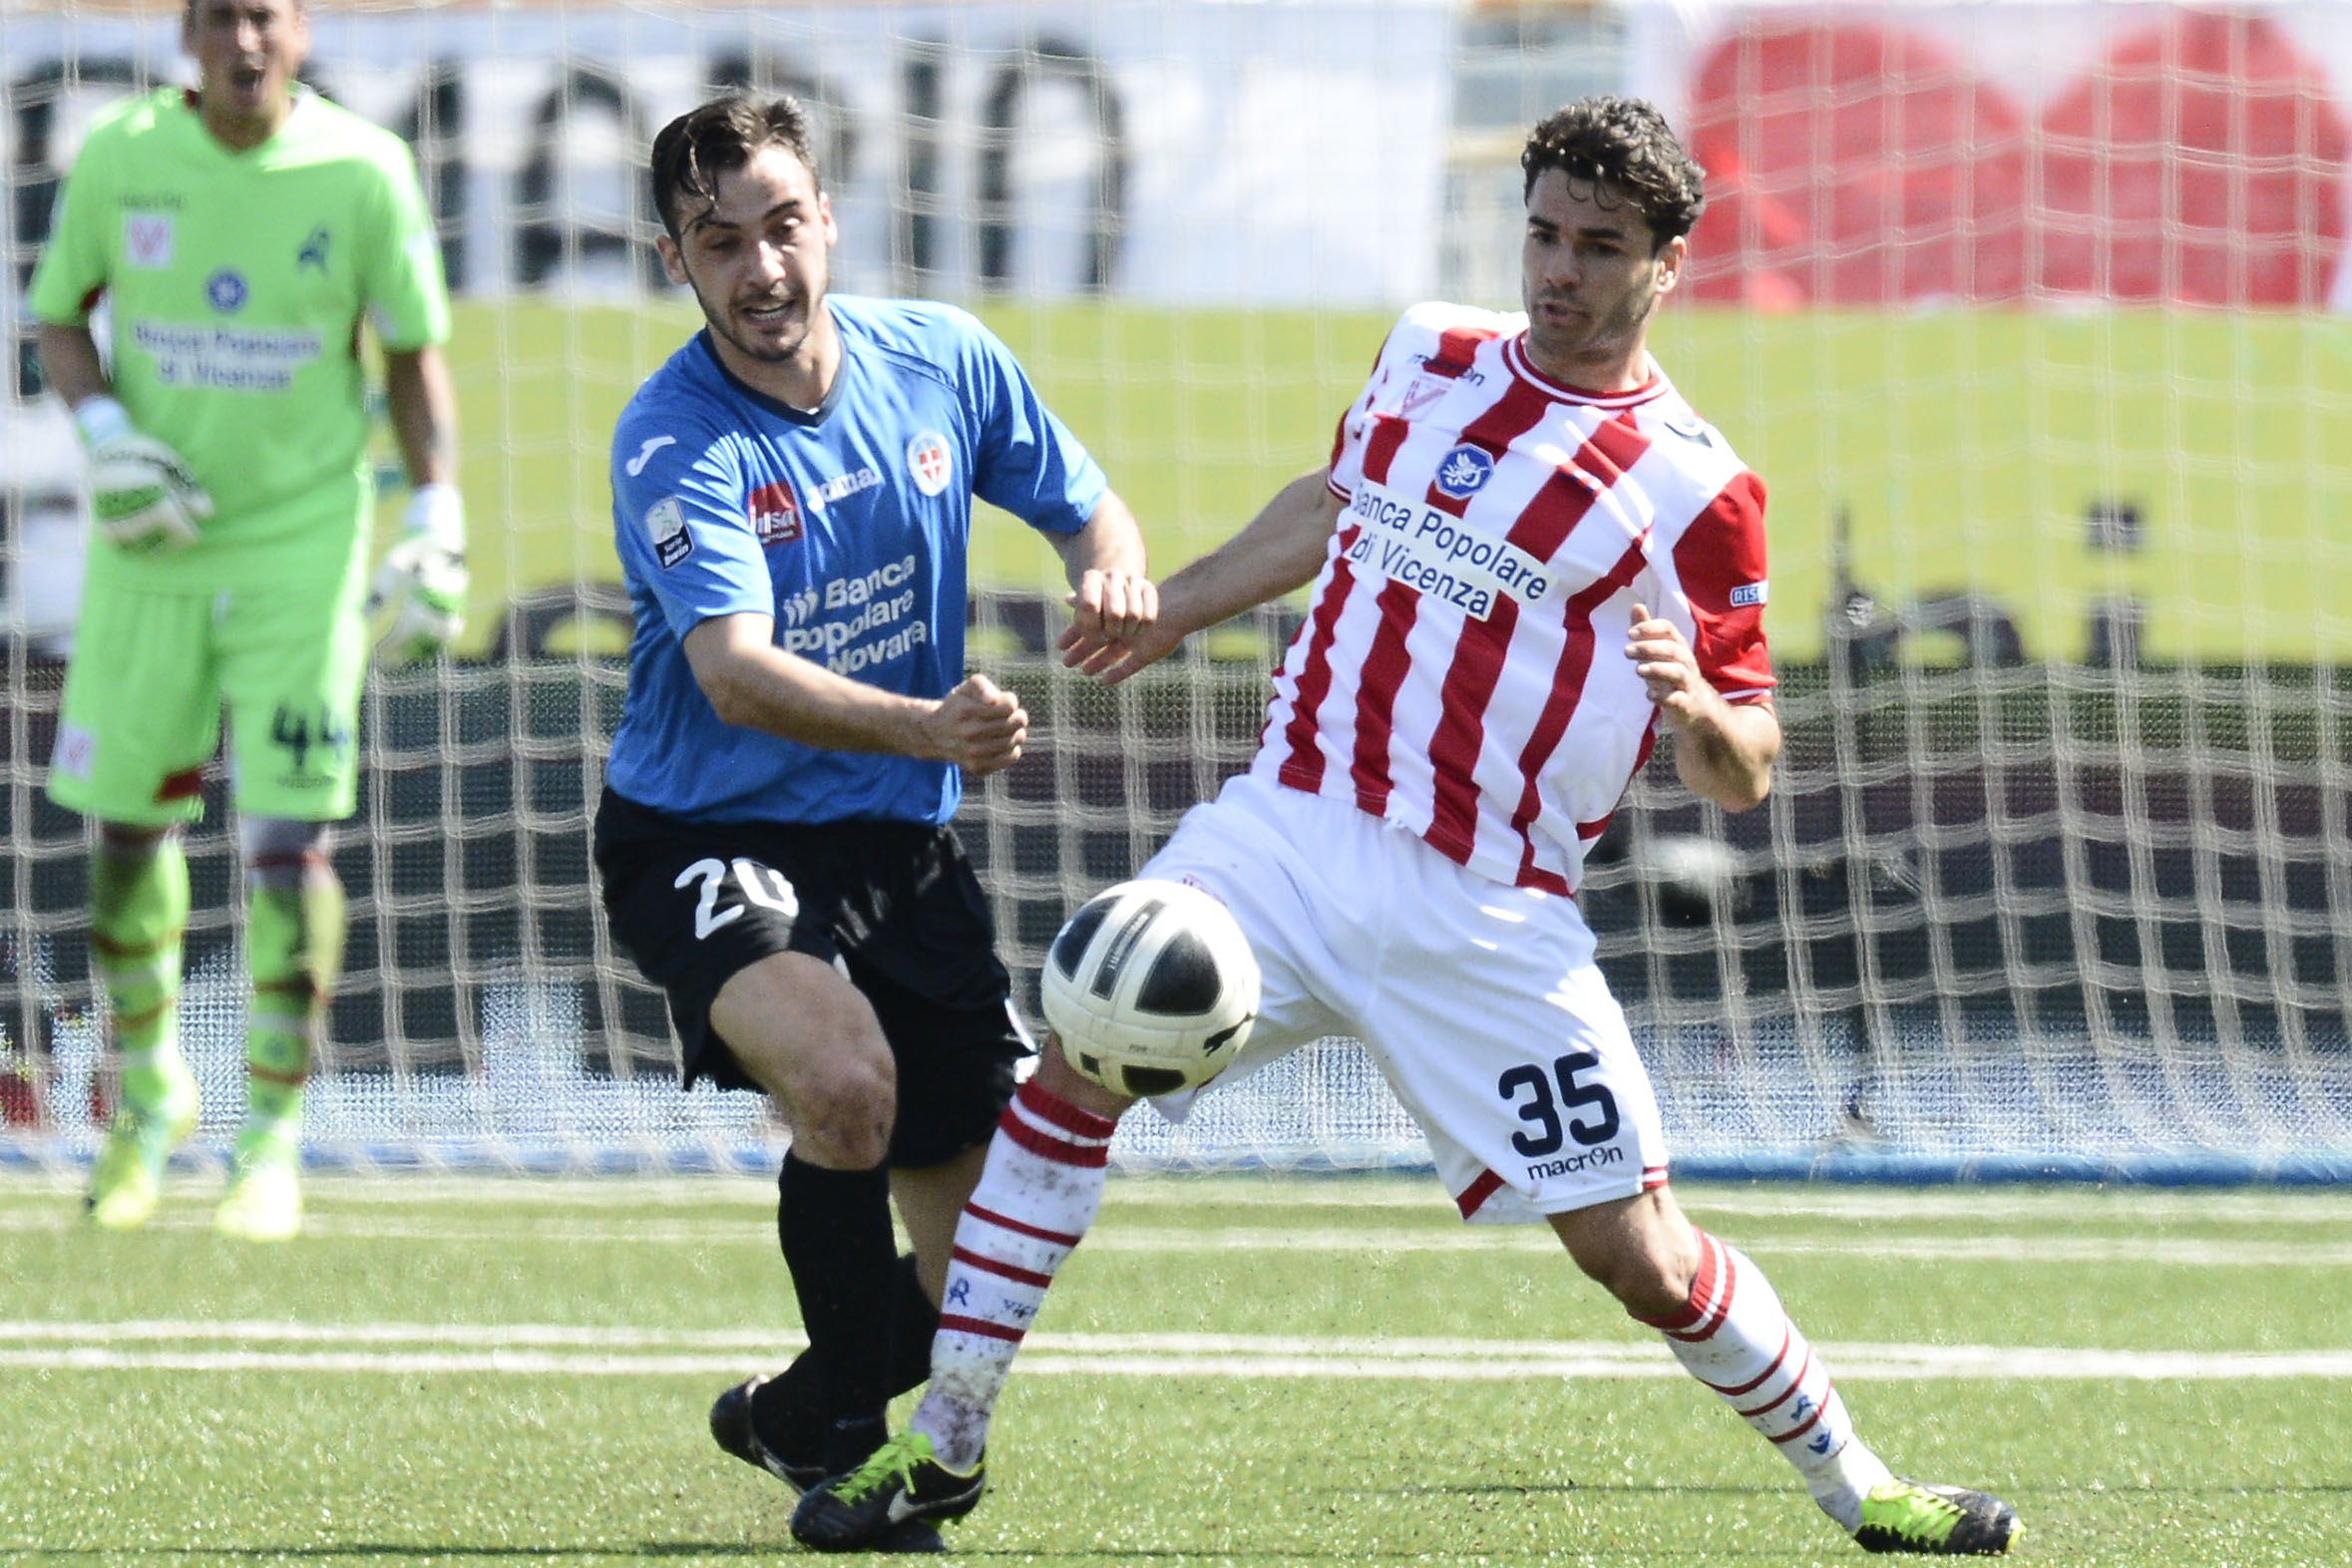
x,y
788,1409
834,1226
914,1320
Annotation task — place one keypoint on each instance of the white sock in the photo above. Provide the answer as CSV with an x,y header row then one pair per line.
x,y
1733,1336
1842,1482
1036,1196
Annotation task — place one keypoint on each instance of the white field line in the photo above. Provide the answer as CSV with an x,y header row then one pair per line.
x,y
562,1351
1977,1249
1533,1239
2069,1203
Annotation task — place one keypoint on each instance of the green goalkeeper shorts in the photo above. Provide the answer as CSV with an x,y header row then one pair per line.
x,y
150,670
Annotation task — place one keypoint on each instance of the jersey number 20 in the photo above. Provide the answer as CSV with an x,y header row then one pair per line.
x,y
761,885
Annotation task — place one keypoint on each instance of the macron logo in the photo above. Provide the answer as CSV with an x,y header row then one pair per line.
x,y
637,464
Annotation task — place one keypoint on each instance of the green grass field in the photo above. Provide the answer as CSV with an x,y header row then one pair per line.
x,y
467,1372
1966,448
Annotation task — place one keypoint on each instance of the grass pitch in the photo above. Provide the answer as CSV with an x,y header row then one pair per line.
x,y
1966,449
1236,1369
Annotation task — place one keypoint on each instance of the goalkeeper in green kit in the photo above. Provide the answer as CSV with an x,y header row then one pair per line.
x,y
238,233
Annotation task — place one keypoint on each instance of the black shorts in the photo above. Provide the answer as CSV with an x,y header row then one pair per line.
x,y
895,904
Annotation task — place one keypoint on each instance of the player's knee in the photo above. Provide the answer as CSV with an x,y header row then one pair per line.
x,y
121,841
842,1108
282,852
1648,1285
1058,1079
1640,1252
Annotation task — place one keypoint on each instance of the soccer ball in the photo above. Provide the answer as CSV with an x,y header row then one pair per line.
x,y
1151,988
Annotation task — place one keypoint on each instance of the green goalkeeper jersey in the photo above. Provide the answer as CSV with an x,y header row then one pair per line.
x,y
236,282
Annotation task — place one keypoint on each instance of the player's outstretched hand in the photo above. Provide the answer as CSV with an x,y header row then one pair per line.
x,y
1668,667
979,726
141,496
423,578
1114,627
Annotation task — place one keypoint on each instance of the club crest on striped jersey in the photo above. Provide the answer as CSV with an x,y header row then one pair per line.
x,y
1420,393
1465,471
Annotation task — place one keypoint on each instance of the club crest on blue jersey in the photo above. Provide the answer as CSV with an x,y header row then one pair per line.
x,y
227,290
775,515
1465,471
930,462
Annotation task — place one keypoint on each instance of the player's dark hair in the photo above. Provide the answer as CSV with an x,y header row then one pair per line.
x,y
1625,150
719,138
188,8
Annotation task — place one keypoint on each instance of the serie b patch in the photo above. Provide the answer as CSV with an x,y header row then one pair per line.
x,y
665,529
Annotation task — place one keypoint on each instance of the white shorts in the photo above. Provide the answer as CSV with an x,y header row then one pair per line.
x,y
1480,1003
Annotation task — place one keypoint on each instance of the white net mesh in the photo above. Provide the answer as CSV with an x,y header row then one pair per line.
x,y
2028,315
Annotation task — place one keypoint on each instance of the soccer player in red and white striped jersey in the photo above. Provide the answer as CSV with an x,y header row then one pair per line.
x,y
1493,524
1529,557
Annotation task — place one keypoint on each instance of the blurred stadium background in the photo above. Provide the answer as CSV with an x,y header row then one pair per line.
x,y
2034,318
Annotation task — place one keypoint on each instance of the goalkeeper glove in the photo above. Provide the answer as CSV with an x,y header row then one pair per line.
x,y
424,576
142,496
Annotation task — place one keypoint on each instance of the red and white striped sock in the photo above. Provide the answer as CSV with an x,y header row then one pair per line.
x,y
1036,1196
1733,1336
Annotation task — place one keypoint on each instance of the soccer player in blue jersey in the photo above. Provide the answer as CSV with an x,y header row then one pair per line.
x,y
792,499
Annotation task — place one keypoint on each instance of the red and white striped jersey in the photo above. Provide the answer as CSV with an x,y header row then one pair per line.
x,y
1461,670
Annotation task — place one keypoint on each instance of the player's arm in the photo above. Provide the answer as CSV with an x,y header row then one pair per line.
x,y
1112,602
424,413
70,362
1723,751
1279,552
753,684
142,497
423,576
425,573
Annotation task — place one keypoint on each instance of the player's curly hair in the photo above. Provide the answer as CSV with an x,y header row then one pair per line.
x,y
719,138
1625,147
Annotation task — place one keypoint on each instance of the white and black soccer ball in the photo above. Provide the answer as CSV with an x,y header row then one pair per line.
x,y
1151,988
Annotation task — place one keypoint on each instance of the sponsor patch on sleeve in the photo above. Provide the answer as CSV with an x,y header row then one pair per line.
x,y
665,528
1750,593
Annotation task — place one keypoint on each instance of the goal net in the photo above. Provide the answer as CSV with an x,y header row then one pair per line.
x,y
2032,318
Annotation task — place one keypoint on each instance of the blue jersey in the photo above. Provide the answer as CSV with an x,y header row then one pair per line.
x,y
848,524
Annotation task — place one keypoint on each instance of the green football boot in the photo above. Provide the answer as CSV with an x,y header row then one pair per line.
x,y
128,1178
265,1198
900,1486
1937,1521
